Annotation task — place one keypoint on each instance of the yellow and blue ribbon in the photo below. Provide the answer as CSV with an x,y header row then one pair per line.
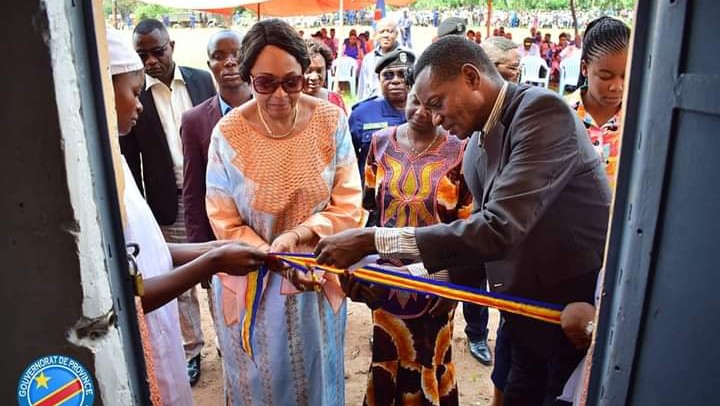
x,y
253,295
547,312
535,309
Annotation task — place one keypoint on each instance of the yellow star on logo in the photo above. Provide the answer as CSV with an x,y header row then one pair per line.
x,y
42,381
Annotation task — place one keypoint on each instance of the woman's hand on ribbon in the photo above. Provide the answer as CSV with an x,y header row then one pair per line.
x,y
285,242
358,291
304,281
239,259
346,248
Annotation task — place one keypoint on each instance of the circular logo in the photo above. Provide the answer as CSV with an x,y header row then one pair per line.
x,y
55,380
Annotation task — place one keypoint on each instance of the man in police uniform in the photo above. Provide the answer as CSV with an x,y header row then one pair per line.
x,y
378,112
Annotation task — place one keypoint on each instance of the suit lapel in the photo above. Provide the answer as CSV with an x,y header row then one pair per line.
x,y
496,146
154,137
213,110
492,151
187,77
190,84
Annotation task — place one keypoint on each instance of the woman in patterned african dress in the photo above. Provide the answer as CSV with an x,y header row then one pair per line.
x,y
413,178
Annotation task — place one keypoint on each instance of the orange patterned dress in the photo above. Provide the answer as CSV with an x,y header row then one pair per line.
x,y
605,138
412,352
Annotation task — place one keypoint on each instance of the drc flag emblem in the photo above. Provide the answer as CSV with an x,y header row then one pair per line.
x,y
55,380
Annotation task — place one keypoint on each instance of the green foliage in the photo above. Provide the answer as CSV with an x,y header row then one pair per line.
x,y
124,7
139,9
151,11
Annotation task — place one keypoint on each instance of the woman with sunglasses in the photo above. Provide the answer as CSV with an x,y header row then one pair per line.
x,y
320,60
281,174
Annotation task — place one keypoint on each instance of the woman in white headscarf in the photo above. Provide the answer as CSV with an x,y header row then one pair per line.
x,y
168,269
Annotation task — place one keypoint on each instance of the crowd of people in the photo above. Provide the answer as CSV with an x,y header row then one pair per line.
x,y
391,34
477,16
474,15
446,169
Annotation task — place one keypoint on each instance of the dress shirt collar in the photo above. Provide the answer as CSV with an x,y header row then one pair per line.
x,y
224,107
494,114
177,77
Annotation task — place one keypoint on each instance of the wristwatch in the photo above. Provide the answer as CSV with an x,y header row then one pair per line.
x,y
589,328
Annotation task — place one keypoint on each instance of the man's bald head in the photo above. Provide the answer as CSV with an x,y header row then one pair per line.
x,y
222,34
387,22
387,33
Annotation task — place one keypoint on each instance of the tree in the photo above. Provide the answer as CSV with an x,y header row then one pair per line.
x,y
124,7
151,11
574,17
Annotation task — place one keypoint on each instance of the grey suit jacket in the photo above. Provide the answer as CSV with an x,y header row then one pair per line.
x,y
542,206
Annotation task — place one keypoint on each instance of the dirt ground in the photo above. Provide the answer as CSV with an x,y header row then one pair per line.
x,y
473,378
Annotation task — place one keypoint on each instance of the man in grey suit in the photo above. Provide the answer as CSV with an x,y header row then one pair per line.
x,y
541,208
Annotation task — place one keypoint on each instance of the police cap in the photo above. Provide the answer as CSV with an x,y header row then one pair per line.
x,y
452,26
401,57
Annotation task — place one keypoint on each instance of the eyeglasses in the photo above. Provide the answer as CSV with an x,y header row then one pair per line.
x,y
268,84
513,68
391,74
158,52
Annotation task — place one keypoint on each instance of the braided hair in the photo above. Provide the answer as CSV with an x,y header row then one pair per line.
x,y
603,36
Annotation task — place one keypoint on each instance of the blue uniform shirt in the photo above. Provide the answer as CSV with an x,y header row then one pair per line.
x,y
367,117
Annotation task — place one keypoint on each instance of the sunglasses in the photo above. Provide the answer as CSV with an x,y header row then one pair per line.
x,y
391,74
158,52
267,84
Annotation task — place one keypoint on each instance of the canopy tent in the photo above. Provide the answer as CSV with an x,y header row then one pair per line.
x,y
276,8
399,3
283,8
226,7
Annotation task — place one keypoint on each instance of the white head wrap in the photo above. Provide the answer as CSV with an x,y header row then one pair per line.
x,y
123,59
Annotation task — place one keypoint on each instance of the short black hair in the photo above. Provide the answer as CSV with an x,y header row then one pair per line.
x,y
447,55
315,47
219,35
604,36
271,32
149,25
